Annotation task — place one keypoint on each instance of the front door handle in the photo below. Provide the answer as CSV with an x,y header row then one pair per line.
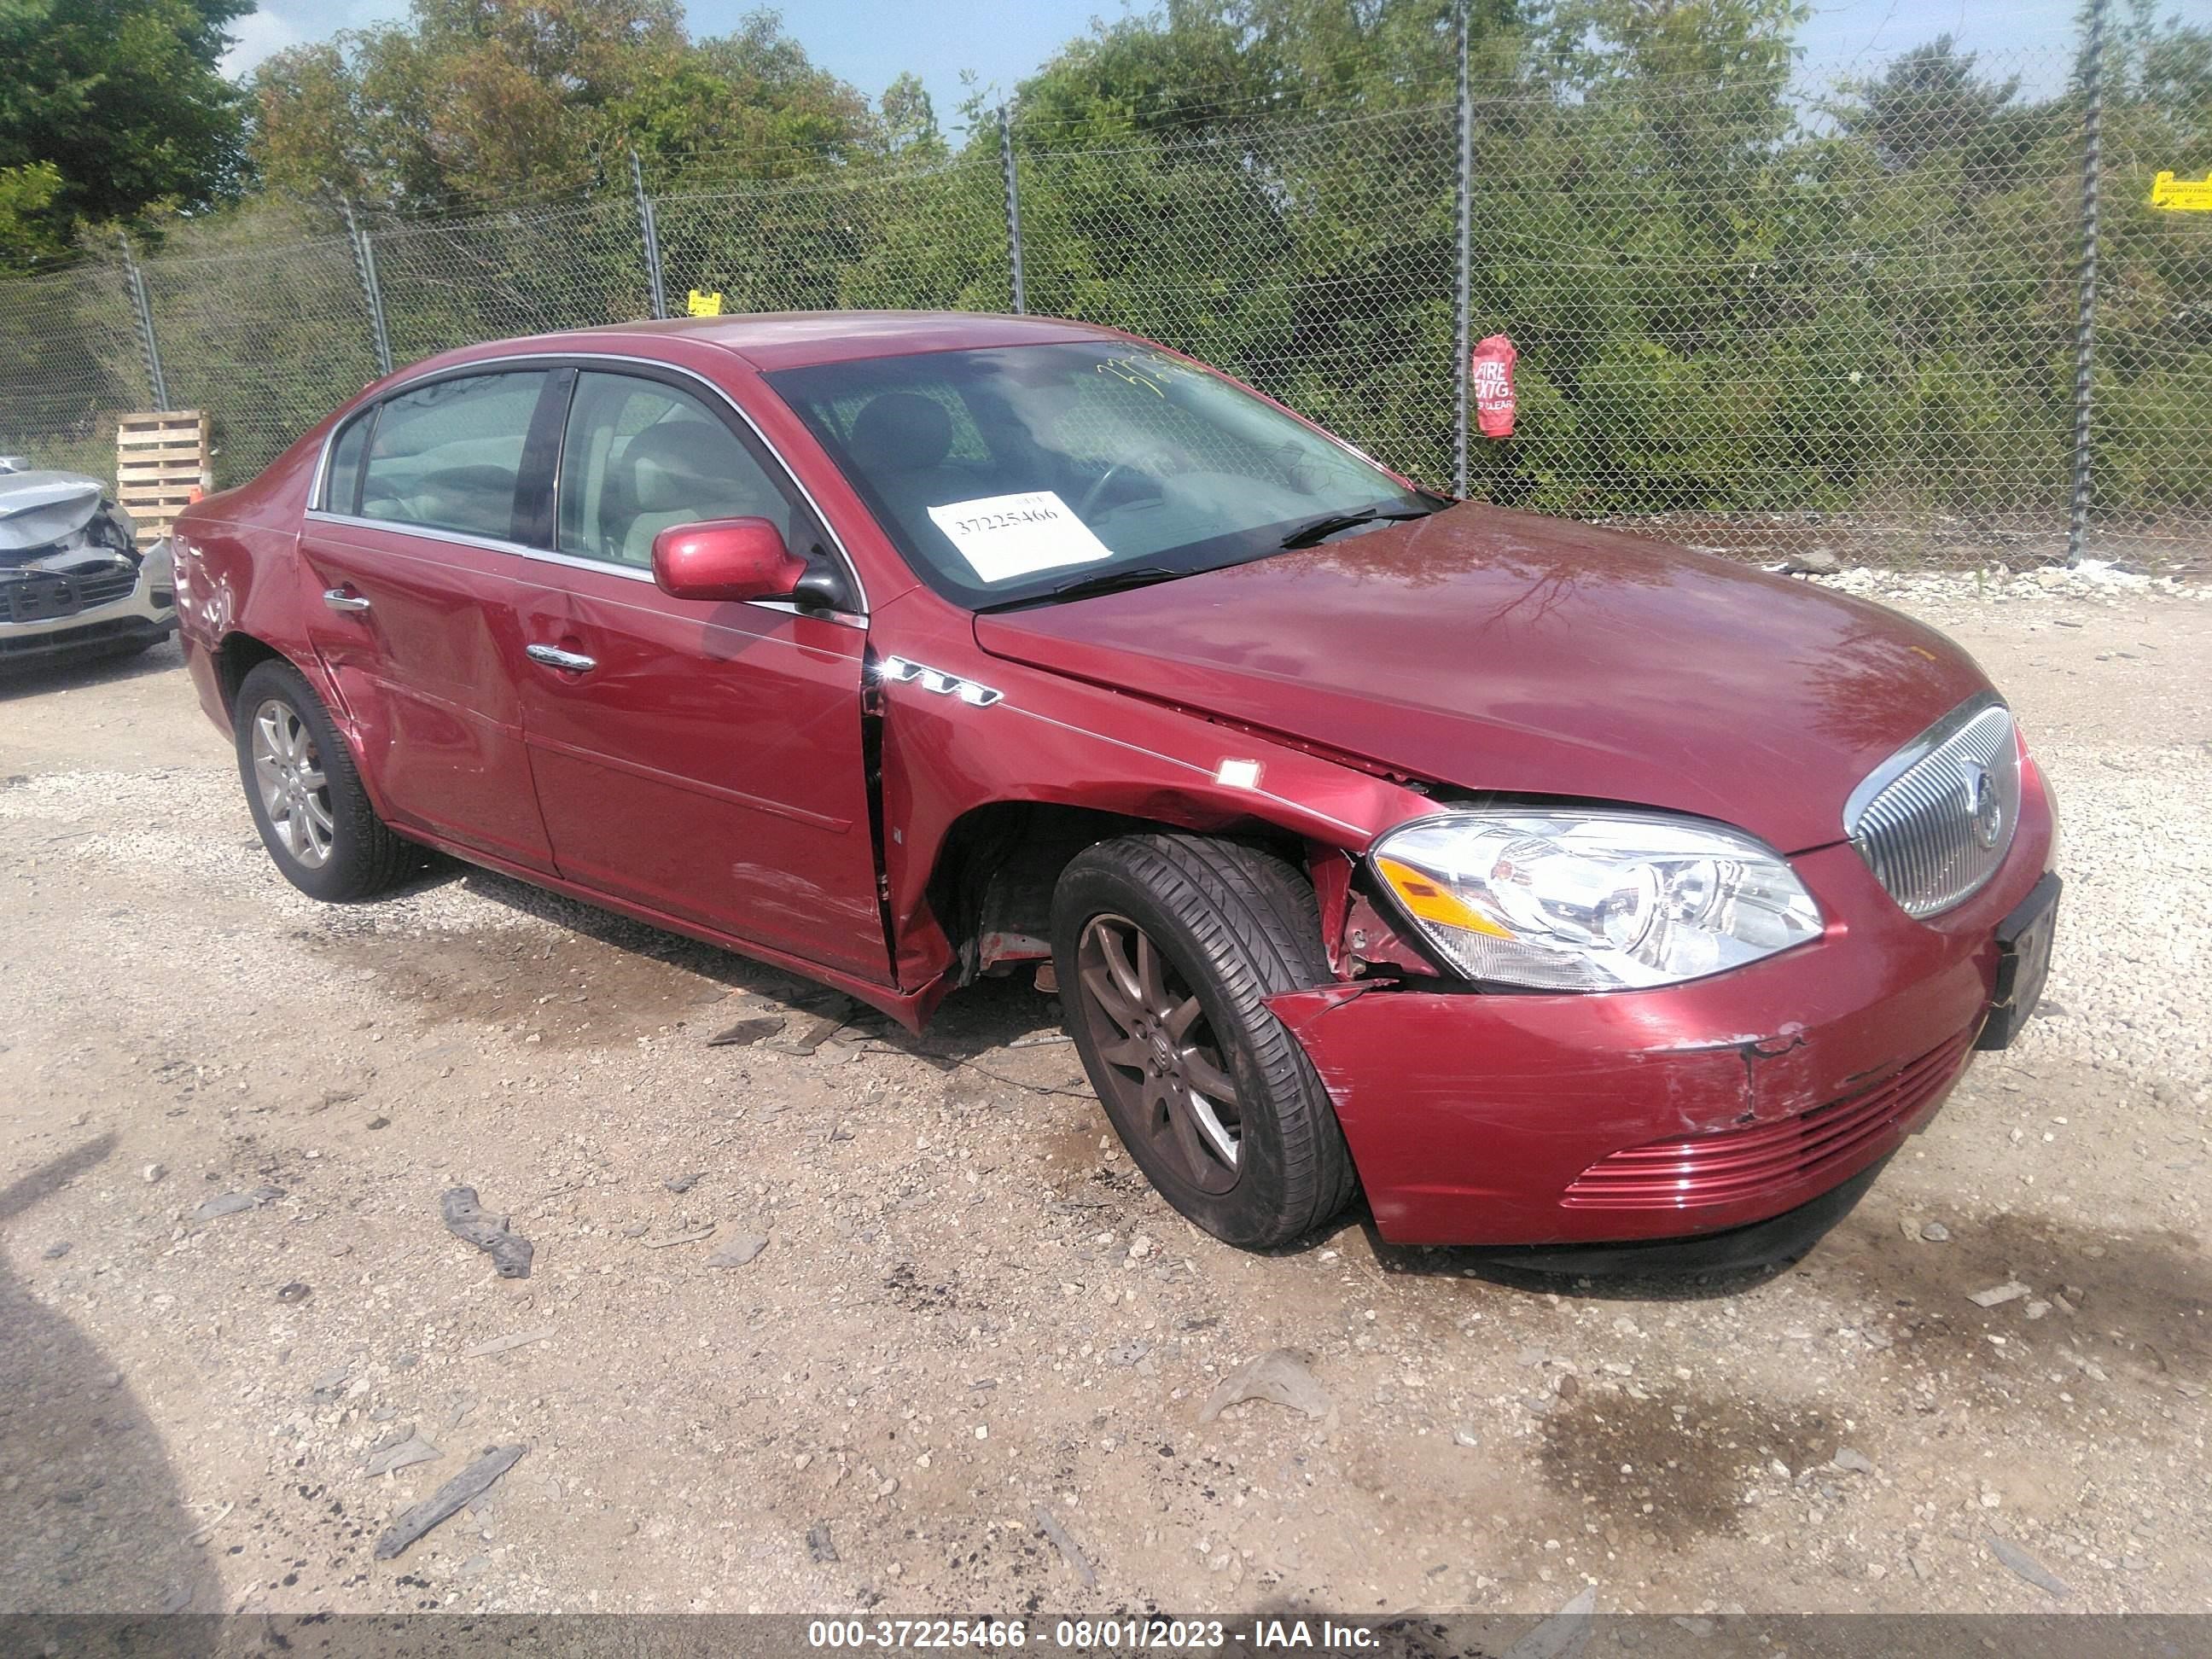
x,y
343,598
574,662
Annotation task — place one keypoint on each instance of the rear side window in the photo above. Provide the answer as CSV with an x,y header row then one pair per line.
x,y
445,456
342,485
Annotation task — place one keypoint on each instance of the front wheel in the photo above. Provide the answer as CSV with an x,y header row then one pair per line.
x,y
306,800
1166,948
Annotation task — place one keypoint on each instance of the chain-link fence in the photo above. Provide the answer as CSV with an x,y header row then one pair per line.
x,y
1845,314
919,237
267,340
71,362
1315,261
454,283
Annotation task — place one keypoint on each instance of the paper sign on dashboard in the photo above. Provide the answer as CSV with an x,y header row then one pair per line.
x,y
1003,536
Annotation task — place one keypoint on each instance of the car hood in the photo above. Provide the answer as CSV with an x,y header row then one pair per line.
x,y
38,508
1499,651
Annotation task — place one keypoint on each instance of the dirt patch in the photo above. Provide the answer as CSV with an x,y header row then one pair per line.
x,y
2126,1303
1675,1465
1067,1143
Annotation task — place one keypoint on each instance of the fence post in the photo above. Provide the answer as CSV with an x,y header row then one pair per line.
x,y
136,282
1462,297
1013,208
364,266
652,229
2085,321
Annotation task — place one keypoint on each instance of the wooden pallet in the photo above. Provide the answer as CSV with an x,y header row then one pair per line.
x,y
160,467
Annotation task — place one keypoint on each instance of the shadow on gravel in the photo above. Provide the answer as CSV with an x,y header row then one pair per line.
x,y
1702,1269
1672,1284
612,977
92,1518
1598,1283
36,679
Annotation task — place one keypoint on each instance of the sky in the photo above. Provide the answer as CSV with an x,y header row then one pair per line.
x,y
868,42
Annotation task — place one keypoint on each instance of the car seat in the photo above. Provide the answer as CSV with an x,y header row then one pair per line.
x,y
679,472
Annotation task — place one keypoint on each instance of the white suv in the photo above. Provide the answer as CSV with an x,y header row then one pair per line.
x,y
72,579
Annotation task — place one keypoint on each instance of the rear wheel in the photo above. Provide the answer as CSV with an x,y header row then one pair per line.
x,y
1166,948
306,800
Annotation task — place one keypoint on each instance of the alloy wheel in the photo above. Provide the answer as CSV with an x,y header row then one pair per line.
x,y
1161,1057
294,794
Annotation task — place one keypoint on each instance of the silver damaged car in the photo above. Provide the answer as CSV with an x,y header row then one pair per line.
x,y
72,580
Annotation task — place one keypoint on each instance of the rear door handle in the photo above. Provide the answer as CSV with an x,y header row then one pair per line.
x,y
340,598
574,662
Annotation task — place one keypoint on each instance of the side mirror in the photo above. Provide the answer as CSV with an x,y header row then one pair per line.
x,y
725,559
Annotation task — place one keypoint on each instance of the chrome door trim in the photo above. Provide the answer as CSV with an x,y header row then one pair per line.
x,y
489,544
563,359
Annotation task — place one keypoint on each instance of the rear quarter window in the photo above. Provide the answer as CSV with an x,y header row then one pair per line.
x,y
342,480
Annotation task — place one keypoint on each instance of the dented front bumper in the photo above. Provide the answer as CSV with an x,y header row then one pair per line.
x,y
1546,1118
85,599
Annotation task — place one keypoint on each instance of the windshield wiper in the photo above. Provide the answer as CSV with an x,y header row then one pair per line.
x,y
1083,587
1317,531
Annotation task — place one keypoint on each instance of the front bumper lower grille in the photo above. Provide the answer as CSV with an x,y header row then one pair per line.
x,y
1803,1151
1934,821
46,595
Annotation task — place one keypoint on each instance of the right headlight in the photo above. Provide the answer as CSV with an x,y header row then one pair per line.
x,y
1597,901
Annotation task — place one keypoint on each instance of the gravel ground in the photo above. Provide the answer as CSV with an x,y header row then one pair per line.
x,y
969,1309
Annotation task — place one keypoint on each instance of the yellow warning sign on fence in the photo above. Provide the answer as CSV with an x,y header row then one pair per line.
x,y
705,304
2182,195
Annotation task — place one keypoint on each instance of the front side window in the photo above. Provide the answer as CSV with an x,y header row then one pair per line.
x,y
641,457
445,455
1007,474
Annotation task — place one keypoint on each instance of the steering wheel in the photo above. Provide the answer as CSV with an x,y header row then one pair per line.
x,y
1090,495
1146,466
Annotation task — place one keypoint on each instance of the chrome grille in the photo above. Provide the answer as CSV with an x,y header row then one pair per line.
x,y
1934,821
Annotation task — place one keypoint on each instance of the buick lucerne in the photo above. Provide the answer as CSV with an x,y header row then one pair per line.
x,y
1546,884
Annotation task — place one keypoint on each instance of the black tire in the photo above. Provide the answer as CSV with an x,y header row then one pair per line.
x,y
1231,924
362,858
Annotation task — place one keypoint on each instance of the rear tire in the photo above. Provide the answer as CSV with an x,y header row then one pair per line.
x,y
307,799
1166,948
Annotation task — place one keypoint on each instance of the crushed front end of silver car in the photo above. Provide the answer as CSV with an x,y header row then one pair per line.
x,y
72,579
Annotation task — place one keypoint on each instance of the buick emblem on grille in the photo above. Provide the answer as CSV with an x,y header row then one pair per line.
x,y
1933,821
1985,811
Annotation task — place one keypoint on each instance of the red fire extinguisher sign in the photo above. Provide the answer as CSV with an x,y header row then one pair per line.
x,y
1490,364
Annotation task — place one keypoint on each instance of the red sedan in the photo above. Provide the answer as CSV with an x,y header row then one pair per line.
x,y
1549,885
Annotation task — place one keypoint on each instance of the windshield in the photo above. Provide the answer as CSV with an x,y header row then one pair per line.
x,y
1007,474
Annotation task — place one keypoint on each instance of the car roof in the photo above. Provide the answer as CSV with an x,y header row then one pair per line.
x,y
772,340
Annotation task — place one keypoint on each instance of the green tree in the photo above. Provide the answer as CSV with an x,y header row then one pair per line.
x,y
909,119
119,100
1929,104
1198,64
474,102
30,229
